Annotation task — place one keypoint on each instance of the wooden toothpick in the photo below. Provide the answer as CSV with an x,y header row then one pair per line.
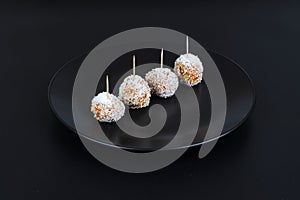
x,y
162,58
133,65
107,85
187,45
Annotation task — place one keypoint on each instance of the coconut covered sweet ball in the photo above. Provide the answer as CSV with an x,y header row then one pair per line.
x,y
107,107
189,69
162,81
135,92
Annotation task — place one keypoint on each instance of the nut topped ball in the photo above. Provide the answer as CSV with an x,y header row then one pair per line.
x,y
189,69
135,92
107,107
162,81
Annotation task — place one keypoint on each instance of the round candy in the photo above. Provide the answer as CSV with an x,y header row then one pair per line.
x,y
189,68
162,81
135,92
107,107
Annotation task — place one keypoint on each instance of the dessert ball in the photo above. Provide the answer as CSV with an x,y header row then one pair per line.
x,y
162,82
135,92
189,69
107,107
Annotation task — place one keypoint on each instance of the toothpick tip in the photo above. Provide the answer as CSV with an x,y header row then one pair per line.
x,y
133,69
107,85
161,58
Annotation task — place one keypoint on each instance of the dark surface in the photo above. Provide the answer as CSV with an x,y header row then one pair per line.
x,y
239,88
41,159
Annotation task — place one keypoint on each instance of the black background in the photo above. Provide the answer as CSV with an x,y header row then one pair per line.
x,y
41,159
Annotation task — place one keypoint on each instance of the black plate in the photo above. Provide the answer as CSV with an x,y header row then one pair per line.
x,y
239,90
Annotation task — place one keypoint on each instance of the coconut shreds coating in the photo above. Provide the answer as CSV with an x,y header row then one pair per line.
x,y
162,81
189,68
107,107
135,92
